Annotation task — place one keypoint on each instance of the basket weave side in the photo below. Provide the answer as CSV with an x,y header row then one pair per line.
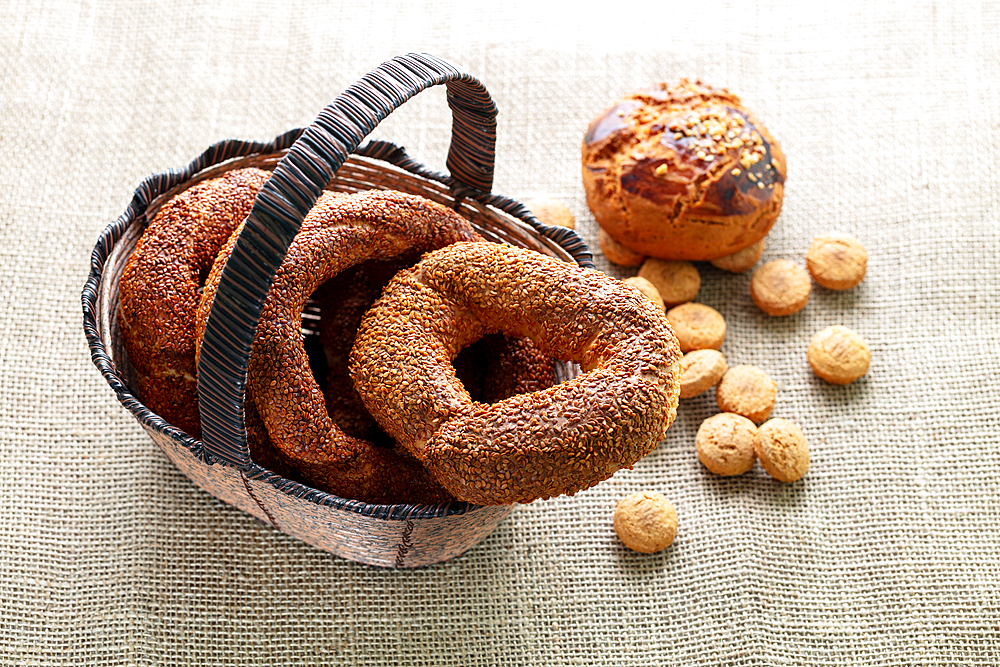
x,y
400,535
233,484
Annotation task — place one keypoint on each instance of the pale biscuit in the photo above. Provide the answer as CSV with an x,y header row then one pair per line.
x,y
782,450
780,287
727,443
646,522
747,391
700,371
741,261
677,282
837,261
552,212
838,355
647,288
697,326
616,252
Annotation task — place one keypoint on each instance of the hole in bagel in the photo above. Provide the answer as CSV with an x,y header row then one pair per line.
x,y
493,368
203,270
470,367
498,366
329,324
314,350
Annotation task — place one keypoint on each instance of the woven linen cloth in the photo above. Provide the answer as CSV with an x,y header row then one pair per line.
x,y
886,553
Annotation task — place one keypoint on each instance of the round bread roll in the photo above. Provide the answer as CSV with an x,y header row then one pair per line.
x,y
682,171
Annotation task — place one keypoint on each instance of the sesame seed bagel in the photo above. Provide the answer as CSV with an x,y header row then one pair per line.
x,y
159,289
339,232
494,368
534,445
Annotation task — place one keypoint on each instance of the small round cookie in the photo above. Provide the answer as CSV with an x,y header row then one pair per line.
x,y
682,171
552,212
741,261
677,282
727,443
700,371
647,288
646,522
747,391
616,252
838,355
782,450
837,261
780,287
697,326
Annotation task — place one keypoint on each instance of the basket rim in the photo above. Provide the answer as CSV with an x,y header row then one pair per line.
x,y
376,152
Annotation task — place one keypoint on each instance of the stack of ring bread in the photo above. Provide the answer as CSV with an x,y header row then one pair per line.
x,y
439,349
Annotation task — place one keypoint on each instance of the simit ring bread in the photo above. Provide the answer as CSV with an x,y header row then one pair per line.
x,y
494,368
339,232
682,171
535,445
160,285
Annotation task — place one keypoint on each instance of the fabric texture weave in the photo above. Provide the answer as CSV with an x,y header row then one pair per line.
x,y
886,553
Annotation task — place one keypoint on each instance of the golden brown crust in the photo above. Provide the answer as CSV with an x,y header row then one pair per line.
x,y
682,171
160,284
535,445
339,232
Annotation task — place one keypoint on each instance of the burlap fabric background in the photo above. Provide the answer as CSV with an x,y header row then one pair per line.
x,y
885,554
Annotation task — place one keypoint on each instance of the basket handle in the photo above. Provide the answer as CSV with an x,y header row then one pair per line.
x,y
289,194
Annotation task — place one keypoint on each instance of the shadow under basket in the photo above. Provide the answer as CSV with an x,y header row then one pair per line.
x,y
400,535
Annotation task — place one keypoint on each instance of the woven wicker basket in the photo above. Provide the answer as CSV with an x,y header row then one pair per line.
x,y
326,155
